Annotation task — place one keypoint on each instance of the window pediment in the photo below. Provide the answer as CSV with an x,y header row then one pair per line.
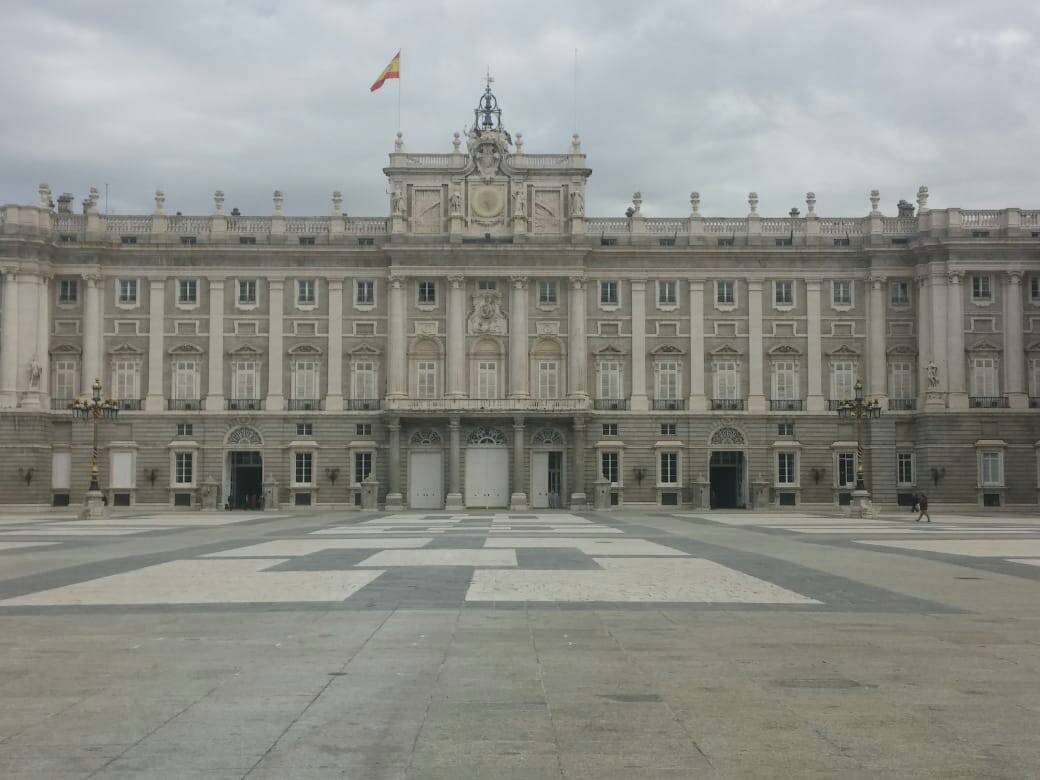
x,y
304,350
364,350
609,351
785,350
66,349
125,349
844,351
725,351
246,350
666,350
902,350
983,345
185,349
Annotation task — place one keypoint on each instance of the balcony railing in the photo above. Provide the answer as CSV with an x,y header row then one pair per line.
x,y
487,404
902,404
129,404
786,404
834,404
244,404
668,404
727,404
610,404
362,404
988,402
184,404
303,404
61,404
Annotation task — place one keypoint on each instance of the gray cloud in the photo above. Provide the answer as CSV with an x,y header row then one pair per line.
x,y
776,97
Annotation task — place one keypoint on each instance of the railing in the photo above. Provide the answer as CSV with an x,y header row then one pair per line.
x,y
834,404
899,225
366,225
184,404
187,226
785,404
129,404
487,404
1030,218
249,225
128,225
307,225
988,402
666,225
61,404
724,225
540,160
362,404
727,404
782,225
244,404
902,404
610,404
303,404
70,223
981,218
840,226
608,225
404,160
668,404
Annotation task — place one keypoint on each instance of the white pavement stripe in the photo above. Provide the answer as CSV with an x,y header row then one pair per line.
x,y
440,557
591,547
973,548
291,548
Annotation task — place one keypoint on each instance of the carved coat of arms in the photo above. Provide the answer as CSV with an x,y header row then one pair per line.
x,y
486,317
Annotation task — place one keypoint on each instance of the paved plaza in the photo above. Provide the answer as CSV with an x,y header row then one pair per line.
x,y
626,644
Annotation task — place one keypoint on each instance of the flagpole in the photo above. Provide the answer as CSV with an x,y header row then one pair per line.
x,y
399,95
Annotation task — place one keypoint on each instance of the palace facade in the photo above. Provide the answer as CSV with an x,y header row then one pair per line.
x,y
488,344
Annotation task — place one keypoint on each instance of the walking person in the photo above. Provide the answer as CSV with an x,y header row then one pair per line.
x,y
922,502
913,502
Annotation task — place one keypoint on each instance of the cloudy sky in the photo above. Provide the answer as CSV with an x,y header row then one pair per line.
x,y
776,96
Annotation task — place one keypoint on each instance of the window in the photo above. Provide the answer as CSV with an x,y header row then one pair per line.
x,y
609,466
992,467
363,429
843,380
610,429
984,377
247,292
427,294
610,379
981,288
185,380
126,376
546,293
901,380
245,379
1034,378
785,429
727,380
247,239
128,292
785,468
365,380
785,380
185,429
306,292
841,292
608,293
899,293
305,379
487,284
548,379
905,468
666,380
304,429
1034,288
783,293
304,472
487,379
65,376
366,241
68,291
128,239
362,466
426,379
668,429
307,240
187,292
366,292
189,240
846,469
667,293
724,292
669,468
183,468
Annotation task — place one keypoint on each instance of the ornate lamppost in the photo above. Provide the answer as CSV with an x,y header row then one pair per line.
x,y
860,410
92,410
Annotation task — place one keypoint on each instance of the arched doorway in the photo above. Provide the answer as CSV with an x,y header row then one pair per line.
x,y
244,469
727,469
487,469
547,448
425,470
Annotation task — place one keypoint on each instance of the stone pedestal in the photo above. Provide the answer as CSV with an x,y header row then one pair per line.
x,y
579,501
270,495
862,506
453,502
760,494
518,502
93,506
394,502
210,494
370,494
601,494
701,498
935,402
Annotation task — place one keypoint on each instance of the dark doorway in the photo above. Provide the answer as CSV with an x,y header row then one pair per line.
x,y
726,475
247,478
555,479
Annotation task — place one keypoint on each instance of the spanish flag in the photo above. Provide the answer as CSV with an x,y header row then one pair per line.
x,y
391,71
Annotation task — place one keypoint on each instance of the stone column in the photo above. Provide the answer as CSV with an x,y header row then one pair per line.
x,y
876,342
576,354
519,344
518,497
454,499
92,335
153,401
9,342
814,347
456,364
394,500
275,346
578,497
43,338
334,380
215,378
937,299
924,337
697,398
1014,349
955,360
640,401
397,386
756,397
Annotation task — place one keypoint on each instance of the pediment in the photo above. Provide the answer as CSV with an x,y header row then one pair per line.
x,y
1034,347
726,350
609,351
125,349
246,350
666,349
186,349
363,350
785,349
984,346
304,349
844,351
66,349
902,349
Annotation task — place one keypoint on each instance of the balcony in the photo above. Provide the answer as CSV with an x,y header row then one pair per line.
x,y
987,402
129,404
184,404
243,404
61,404
610,404
303,404
727,404
902,404
786,404
487,404
362,404
668,404
834,404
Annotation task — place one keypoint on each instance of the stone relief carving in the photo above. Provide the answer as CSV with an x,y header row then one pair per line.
x,y
486,317
547,328
242,436
426,327
486,436
487,158
727,436
426,438
547,437
546,211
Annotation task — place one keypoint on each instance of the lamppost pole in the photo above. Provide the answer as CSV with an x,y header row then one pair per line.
x,y
860,409
92,410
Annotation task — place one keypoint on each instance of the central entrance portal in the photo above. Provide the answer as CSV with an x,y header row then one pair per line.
x,y
726,475
246,470
546,479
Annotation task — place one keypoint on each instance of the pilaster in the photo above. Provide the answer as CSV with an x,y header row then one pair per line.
x,y
215,380
576,348
1014,348
456,331
814,348
153,401
519,361
937,299
454,498
697,398
578,498
43,338
756,396
334,387
91,331
876,341
396,345
518,496
275,345
955,360
924,336
394,499
639,401
9,341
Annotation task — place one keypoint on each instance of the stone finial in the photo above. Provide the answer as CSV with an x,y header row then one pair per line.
x,y
810,203
922,199
160,201
279,202
875,199
456,141
45,195
399,142
575,144
752,201
637,202
337,203
695,204
218,201
92,201
519,143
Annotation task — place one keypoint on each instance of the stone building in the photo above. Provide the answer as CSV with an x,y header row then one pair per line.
x,y
488,344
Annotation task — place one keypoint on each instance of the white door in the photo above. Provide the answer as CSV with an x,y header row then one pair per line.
x,y
487,477
540,480
425,478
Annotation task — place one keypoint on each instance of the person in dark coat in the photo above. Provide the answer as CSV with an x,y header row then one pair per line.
x,y
922,502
